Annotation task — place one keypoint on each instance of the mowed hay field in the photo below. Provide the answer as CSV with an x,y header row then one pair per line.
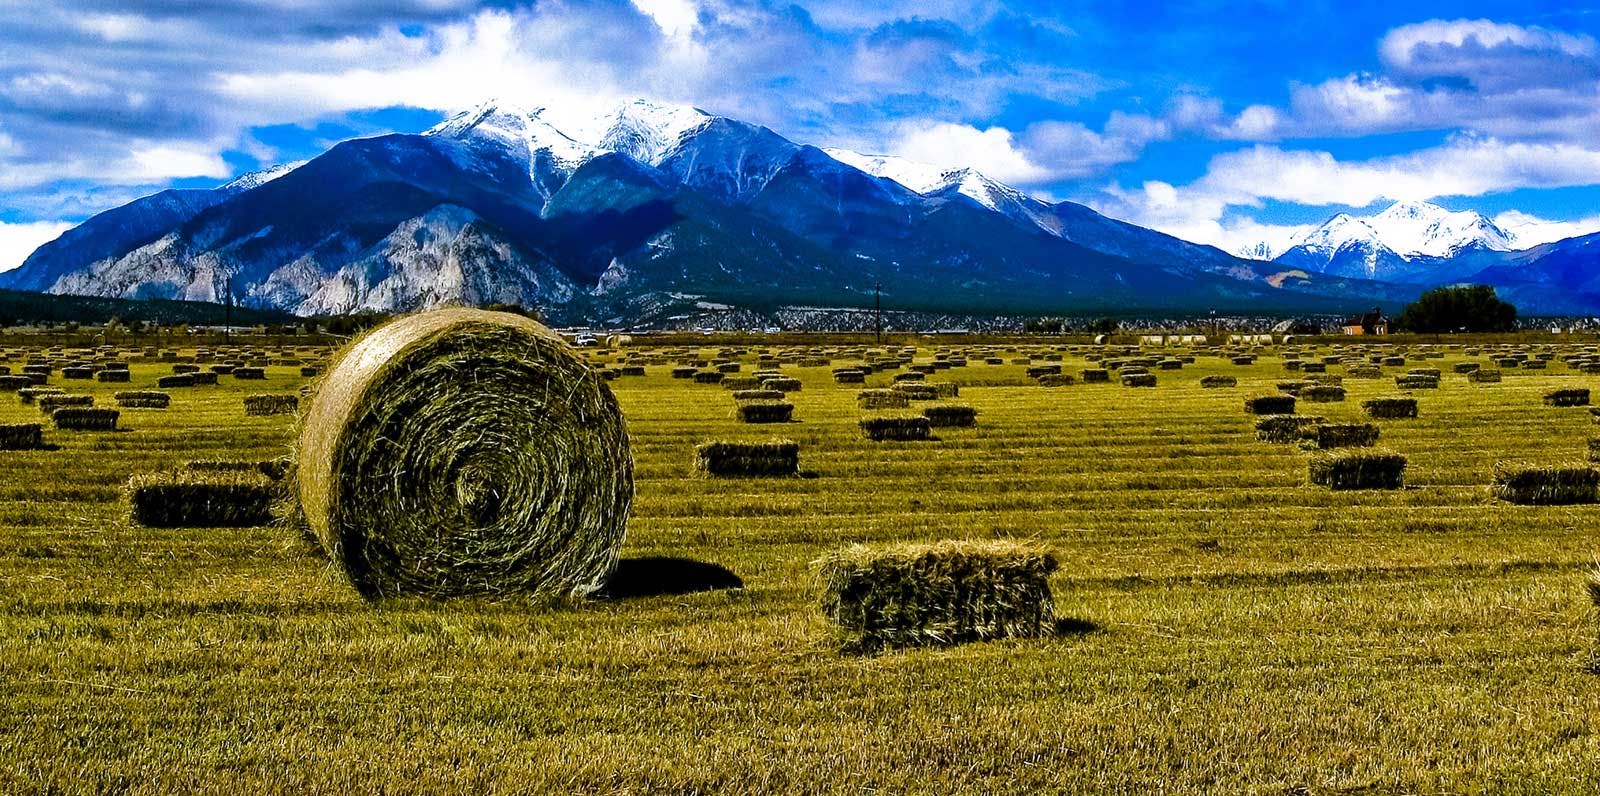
x,y
1233,628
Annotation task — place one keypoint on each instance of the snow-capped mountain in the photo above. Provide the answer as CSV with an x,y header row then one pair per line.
x,y
1400,243
616,214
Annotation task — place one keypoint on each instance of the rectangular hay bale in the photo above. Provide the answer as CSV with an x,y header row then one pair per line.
x,y
774,458
1358,468
201,499
1545,485
937,594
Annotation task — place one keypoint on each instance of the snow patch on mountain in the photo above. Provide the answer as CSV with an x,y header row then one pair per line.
x,y
256,179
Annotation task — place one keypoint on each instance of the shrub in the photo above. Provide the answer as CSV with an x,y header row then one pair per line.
x,y
85,418
937,594
765,412
1390,408
1269,405
1345,435
1545,485
950,416
191,499
882,399
1571,396
269,404
777,457
1212,382
142,399
1358,468
896,428
1287,428
21,436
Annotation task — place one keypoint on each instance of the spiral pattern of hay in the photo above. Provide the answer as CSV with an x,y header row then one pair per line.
x,y
464,452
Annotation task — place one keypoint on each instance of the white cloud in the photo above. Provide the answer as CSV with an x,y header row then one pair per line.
x,y
1206,209
1530,230
17,241
1400,47
674,17
992,151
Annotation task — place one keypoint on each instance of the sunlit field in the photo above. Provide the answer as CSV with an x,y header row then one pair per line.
x,y
1232,628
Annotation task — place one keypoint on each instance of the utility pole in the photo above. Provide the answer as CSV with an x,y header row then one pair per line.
x,y
877,300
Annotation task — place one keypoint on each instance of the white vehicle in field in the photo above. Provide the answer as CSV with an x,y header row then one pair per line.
x,y
584,341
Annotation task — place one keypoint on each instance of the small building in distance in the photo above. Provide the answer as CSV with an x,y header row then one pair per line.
x,y
1367,323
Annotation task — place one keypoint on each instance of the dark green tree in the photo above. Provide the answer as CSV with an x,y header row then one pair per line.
x,y
1465,308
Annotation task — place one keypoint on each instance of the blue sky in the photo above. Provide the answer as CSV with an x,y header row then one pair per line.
x,y
1220,122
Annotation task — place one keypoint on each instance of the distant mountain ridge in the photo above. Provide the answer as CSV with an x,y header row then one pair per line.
x,y
637,212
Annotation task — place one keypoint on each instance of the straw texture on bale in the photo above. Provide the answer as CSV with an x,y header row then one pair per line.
x,y
937,594
779,457
1358,468
1484,376
29,395
170,382
113,376
462,452
1287,428
85,418
765,411
1095,375
142,399
1345,435
1322,393
1545,485
271,404
758,395
951,415
1139,380
882,399
21,436
1390,408
1417,382
274,469
1056,380
1571,396
896,428
52,401
1269,405
201,499
1212,382
13,383
249,374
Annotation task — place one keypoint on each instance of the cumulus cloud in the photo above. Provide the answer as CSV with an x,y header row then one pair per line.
x,y
1209,209
1531,230
17,241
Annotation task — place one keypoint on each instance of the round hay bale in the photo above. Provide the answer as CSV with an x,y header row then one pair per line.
x,y
461,452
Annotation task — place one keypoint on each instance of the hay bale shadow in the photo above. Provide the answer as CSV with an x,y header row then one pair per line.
x,y
1070,626
654,576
